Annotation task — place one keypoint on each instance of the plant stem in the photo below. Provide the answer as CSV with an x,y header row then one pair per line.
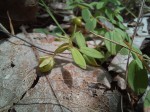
x,y
116,43
130,12
52,16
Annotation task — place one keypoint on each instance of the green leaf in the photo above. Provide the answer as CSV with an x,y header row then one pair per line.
x,y
91,52
137,78
86,14
115,2
114,36
118,38
109,14
62,48
138,61
78,58
124,51
80,39
110,46
91,24
119,9
119,18
101,17
135,48
86,5
101,31
90,60
121,26
147,100
123,34
114,21
100,4
93,3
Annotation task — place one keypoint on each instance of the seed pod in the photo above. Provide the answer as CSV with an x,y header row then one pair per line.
x,y
77,21
46,64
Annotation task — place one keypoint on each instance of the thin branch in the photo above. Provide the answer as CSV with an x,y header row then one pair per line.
x,y
31,45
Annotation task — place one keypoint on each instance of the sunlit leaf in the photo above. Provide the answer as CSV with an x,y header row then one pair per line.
x,y
80,39
91,52
78,58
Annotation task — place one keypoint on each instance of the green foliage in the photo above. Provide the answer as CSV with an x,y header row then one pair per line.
x,y
105,8
119,17
101,4
100,18
114,36
90,60
91,24
124,51
86,14
121,33
137,78
80,39
78,58
137,60
91,52
136,57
